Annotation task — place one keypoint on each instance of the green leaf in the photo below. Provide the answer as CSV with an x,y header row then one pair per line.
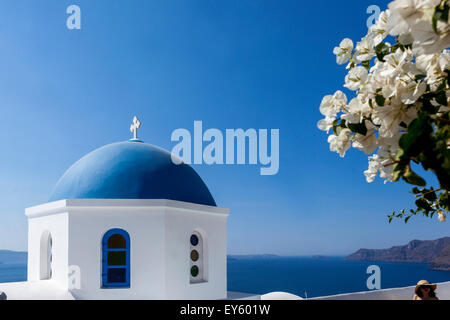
x,y
380,100
440,14
366,64
413,178
418,135
395,47
430,196
419,76
398,170
444,201
335,125
382,50
400,155
358,128
407,218
441,98
415,190
423,204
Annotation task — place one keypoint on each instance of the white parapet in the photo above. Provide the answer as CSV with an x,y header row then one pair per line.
x,y
38,290
405,293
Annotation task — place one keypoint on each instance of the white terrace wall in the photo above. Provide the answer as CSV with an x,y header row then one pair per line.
x,y
406,293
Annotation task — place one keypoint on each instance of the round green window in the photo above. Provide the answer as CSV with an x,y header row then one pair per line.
x,y
194,255
194,271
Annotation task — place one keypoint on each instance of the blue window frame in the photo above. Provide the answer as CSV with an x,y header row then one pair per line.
x,y
116,259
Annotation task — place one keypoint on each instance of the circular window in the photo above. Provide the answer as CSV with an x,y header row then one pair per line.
x,y
194,255
194,271
194,240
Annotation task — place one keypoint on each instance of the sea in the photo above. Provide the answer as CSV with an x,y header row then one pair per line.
x,y
303,276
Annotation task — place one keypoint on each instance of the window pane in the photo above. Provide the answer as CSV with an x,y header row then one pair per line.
x,y
117,275
194,255
194,240
194,271
117,241
117,258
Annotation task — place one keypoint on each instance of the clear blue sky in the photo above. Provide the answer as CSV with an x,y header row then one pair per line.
x,y
230,63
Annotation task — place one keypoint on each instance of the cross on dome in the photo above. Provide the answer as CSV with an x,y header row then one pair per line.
x,y
134,127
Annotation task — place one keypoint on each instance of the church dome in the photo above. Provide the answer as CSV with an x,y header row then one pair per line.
x,y
131,170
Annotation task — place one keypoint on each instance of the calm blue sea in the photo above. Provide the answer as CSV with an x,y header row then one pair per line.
x,y
11,272
316,276
321,276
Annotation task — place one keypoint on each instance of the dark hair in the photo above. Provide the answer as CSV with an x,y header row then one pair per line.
x,y
431,294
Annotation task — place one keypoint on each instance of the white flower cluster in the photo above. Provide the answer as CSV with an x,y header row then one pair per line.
x,y
387,92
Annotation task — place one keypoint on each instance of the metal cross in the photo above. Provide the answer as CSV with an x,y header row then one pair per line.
x,y
134,127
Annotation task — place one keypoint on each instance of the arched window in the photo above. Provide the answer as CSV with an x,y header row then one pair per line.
x,y
116,259
196,255
46,256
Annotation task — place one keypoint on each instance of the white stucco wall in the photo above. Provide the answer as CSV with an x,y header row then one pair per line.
x,y
146,229
180,225
57,225
35,290
159,251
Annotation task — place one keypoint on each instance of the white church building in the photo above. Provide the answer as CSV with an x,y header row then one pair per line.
x,y
125,222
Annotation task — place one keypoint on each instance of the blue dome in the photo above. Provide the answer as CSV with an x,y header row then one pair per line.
x,y
131,170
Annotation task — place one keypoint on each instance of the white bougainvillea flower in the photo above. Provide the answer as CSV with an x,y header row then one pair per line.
x,y
389,118
356,78
395,62
425,62
426,40
325,124
412,91
332,104
373,168
434,44
406,38
367,143
378,163
351,117
441,216
434,65
388,96
344,51
444,59
396,25
341,142
407,13
357,107
379,30
365,48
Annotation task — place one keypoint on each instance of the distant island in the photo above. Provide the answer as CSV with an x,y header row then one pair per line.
x,y
434,252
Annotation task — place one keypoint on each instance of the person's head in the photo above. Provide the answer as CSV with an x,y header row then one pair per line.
x,y
425,289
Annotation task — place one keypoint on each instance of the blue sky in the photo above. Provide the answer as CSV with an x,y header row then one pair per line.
x,y
229,63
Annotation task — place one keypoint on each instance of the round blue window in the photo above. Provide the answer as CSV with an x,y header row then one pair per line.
x,y
194,240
